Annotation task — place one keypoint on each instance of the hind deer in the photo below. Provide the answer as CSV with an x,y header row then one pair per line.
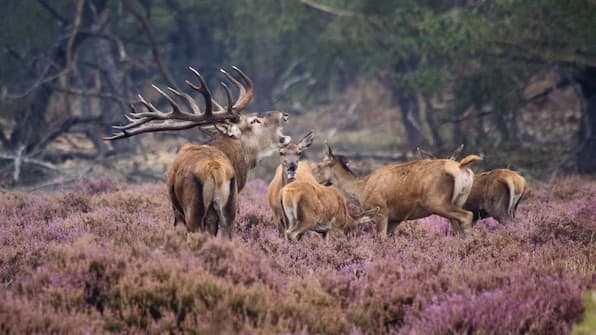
x,y
495,193
290,168
204,179
310,206
406,191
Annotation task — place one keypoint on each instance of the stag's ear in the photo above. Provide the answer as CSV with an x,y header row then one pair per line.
x,y
368,215
228,129
456,152
307,140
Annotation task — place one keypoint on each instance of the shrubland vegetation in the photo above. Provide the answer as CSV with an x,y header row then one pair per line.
x,y
104,257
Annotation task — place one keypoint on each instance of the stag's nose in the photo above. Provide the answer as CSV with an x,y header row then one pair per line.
x,y
285,116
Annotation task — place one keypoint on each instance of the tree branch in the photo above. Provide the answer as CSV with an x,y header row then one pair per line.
x,y
73,91
535,54
61,129
53,11
76,27
69,59
327,9
3,139
465,116
137,12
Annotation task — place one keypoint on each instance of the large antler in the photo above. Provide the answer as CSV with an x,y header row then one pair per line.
x,y
177,119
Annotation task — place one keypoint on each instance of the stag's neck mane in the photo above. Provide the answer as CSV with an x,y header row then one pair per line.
x,y
242,159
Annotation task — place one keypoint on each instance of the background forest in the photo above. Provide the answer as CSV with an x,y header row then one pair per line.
x,y
513,80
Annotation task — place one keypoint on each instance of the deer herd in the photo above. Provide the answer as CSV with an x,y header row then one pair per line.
x,y
205,179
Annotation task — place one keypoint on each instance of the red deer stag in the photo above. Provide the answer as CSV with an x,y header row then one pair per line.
x,y
407,191
204,179
495,193
296,169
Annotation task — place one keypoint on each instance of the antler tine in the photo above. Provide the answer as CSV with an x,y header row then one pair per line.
x,y
239,85
189,100
175,108
167,125
132,117
230,108
246,91
203,89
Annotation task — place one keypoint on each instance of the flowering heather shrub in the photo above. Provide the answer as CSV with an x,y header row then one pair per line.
x,y
105,257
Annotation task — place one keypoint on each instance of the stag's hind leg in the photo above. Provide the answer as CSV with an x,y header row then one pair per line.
x,y
226,212
177,208
190,198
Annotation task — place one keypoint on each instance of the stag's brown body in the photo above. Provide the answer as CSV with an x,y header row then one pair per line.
x,y
408,191
496,194
203,183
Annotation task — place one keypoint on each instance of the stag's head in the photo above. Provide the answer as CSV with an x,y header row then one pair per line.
x,y
261,133
330,166
291,153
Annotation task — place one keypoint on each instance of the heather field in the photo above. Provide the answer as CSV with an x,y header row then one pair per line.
x,y
101,257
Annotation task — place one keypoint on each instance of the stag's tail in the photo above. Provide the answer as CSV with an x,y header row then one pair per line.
x,y
215,180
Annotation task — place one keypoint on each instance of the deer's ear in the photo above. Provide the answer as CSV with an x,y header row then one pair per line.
x,y
228,129
456,152
422,154
307,140
328,152
368,215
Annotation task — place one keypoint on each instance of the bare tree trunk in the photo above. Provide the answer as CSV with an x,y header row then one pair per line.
x,y
433,125
586,156
102,53
410,112
502,127
30,122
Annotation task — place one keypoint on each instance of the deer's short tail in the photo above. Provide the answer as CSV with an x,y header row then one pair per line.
x,y
468,160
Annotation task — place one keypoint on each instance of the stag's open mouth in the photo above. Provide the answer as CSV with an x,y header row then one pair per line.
x,y
283,139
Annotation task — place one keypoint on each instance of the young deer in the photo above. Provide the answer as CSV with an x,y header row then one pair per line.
x,y
310,206
495,193
204,179
407,191
296,169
